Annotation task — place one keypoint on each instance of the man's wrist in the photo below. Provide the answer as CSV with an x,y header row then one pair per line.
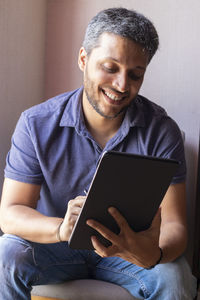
x,y
58,232
158,261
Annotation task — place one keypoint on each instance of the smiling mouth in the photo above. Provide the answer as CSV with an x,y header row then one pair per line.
x,y
113,97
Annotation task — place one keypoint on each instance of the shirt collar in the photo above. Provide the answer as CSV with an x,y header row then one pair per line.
x,y
73,115
135,113
73,109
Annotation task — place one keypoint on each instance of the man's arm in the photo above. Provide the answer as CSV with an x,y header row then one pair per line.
x,y
173,234
169,233
19,216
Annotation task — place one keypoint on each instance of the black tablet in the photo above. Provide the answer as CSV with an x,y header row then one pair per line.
x,y
134,184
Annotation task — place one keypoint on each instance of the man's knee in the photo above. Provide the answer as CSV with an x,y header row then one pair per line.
x,y
177,278
15,254
177,271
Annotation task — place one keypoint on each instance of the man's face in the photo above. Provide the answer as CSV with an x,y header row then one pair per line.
x,y
113,74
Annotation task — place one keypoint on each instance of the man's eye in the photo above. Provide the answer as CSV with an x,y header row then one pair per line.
x,y
135,77
109,69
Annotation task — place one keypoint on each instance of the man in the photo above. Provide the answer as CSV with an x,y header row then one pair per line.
x,y
55,149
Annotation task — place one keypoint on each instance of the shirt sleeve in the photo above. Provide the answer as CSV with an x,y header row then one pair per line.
x,y
22,163
171,145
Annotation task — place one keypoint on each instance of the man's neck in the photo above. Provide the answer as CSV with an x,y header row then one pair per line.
x,y
102,129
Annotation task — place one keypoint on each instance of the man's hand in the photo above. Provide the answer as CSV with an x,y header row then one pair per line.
x,y
73,211
140,248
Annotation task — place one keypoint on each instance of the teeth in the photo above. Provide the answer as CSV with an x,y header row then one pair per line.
x,y
113,97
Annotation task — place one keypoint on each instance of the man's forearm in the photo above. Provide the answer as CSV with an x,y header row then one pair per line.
x,y
173,241
29,224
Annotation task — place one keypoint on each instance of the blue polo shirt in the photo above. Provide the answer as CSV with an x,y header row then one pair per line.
x,y
52,147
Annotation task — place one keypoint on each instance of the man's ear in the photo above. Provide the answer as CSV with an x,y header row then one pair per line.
x,y
82,58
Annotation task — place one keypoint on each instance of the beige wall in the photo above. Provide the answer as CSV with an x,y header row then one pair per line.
x,y
22,52
173,76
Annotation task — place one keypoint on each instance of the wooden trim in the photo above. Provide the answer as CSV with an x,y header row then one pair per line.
x,y
42,298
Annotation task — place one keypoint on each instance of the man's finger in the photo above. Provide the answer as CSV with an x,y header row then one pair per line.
x,y
102,250
78,201
104,231
120,220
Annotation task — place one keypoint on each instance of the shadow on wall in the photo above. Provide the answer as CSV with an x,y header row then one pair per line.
x,y
191,161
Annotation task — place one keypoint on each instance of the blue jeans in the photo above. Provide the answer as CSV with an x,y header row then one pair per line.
x,y
23,264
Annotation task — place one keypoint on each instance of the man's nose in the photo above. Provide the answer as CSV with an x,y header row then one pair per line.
x,y
121,82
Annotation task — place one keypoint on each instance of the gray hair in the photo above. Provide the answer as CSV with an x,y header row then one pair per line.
x,y
126,23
